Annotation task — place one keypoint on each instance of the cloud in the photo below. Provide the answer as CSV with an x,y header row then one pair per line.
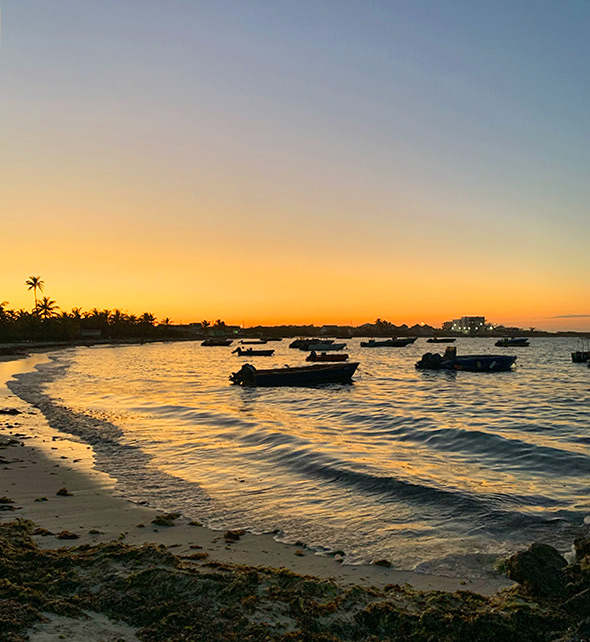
x,y
571,316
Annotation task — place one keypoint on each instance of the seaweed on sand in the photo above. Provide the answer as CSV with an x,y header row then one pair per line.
x,y
174,599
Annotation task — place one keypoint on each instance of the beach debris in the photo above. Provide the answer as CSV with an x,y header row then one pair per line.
x,y
10,411
64,492
539,569
67,535
139,525
42,531
299,553
233,536
384,563
41,499
194,522
6,500
94,531
166,519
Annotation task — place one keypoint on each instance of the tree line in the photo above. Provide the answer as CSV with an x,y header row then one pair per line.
x,y
47,322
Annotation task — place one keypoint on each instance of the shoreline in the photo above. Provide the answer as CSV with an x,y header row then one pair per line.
x,y
41,461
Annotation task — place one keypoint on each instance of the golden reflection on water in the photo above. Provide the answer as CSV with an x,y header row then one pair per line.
x,y
396,464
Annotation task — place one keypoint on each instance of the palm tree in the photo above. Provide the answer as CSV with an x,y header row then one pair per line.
x,y
165,322
46,308
35,283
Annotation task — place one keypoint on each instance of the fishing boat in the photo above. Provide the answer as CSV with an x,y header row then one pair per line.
x,y
324,347
513,342
302,344
470,363
324,356
253,342
582,354
440,340
388,343
217,342
248,375
249,352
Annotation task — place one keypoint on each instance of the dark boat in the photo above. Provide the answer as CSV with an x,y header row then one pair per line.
x,y
302,344
469,363
324,356
217,342
388,343
513,342
248,375
315,346
253,342
249,352
440,340
581,356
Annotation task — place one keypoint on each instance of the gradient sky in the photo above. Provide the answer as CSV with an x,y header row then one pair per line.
x,y
312,161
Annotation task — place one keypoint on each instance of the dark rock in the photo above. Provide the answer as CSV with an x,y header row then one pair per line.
x,y
64,492
165,520
539,570
579,604
233,536
66,535
385,563
582,546
9,411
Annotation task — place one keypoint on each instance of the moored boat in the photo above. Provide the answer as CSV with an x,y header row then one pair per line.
x,y
440,340
324,347
249,352
581,356
253,342
248,375
302,343
470,363
513,342
217,342
388,343
324,356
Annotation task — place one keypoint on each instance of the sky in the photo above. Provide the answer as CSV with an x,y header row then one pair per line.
x,y
298,162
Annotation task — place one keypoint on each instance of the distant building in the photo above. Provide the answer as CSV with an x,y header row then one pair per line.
x,y
467,325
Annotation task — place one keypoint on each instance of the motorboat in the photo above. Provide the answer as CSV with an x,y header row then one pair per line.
x,y
324,356
213,341
250,352
248,375
388,343
470,363
513,342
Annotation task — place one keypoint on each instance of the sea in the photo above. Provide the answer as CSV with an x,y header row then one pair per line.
x,y
435,471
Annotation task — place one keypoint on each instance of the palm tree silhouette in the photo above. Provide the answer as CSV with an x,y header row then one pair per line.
x,y
35,283
46,308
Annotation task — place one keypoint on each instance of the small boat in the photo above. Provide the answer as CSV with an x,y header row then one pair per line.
x,y
249,352
248,375
324,356
217,342
253,342
582,354
324,347
513,342
388,343
469,363
302,344
440,340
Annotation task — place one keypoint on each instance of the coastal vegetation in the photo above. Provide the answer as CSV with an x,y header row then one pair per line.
x,y
174,598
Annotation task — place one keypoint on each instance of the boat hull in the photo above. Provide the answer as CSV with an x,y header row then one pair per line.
x,y
467,363
388,343
326,357
303,376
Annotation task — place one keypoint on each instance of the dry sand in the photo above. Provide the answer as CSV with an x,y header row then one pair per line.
x,y
40,461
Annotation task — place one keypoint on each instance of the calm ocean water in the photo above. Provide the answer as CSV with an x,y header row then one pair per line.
x,y
434,471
